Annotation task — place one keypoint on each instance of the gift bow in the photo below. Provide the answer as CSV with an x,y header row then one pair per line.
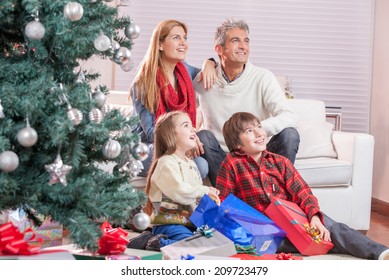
x,y
284,256
113,241
12,241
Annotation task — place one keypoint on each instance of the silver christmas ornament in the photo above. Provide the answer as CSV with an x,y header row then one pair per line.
x,y
80,77
105,109
34,30
122,55
135,167
9,161
58,171
102,42
27,136
1,111
140,151
141,221
95,115
75,115
112,149
73,11
115,45
99,98
132,31
128,66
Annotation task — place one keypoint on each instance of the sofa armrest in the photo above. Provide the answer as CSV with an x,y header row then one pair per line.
x,y
358,148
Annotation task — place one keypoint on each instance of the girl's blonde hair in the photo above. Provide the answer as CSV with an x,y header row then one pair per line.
x,y
164,144
145,81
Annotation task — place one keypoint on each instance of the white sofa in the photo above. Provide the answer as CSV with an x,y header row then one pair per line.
x,y
337,165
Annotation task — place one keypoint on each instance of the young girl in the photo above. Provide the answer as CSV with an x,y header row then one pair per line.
x,y
174,185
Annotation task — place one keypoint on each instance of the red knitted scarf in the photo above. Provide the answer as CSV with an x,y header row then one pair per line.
x,y
182,100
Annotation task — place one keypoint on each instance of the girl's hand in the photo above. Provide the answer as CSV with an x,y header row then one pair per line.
x,y
324,233
214,194
208,74
197,151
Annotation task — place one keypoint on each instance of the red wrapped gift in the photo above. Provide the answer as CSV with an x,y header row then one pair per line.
x,y
289,216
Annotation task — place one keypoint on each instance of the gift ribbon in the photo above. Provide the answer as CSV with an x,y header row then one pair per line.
x,y
202,231
245,249
187,257
113,240
313,232
12,241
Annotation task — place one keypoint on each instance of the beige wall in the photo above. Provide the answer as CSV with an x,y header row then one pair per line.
x,y
379,121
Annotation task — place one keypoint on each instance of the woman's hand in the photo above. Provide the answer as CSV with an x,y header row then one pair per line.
x,y
317,224
197,151
208,74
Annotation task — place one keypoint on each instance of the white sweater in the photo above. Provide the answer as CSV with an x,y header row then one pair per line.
x,y
256,91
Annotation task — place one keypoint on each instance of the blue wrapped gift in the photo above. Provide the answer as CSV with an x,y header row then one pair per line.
x,y
240,222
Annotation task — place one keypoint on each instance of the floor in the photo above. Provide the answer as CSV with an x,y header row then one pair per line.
x,y
379,228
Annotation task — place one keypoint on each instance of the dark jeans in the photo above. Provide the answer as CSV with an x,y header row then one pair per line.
x,y
346,240
285,143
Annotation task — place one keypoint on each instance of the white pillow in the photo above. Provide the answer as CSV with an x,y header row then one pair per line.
x,y
315,140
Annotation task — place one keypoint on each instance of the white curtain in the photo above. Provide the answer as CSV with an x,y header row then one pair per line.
x,y
323,47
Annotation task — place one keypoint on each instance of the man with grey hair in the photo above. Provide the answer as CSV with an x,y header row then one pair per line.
x,y
241,86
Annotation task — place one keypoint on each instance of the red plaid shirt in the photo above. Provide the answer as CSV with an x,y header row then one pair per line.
x,y
254,182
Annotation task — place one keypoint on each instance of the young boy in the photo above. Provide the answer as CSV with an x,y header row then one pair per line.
x,y
254,175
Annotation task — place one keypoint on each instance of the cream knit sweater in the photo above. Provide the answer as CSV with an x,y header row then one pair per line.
x,y
256,91
178,180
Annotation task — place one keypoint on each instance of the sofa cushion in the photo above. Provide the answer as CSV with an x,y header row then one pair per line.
x,y
315,140
325,172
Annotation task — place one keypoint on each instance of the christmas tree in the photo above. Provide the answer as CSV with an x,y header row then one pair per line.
x,y
56,131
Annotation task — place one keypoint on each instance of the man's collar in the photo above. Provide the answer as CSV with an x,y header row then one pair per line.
x,y
226,78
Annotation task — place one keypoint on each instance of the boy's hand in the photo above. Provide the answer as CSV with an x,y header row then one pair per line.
x,y
324,233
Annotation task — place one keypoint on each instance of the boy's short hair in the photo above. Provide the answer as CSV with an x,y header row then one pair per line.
x,y
235,125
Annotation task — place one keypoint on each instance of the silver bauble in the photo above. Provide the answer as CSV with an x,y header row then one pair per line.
x,y
102,42
132,31
34,30
135,167
75,116
27,137
99,98
111,149
128,66
73,11
140,151
95,115
141,221
105,109
9,161
115,45
122,55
